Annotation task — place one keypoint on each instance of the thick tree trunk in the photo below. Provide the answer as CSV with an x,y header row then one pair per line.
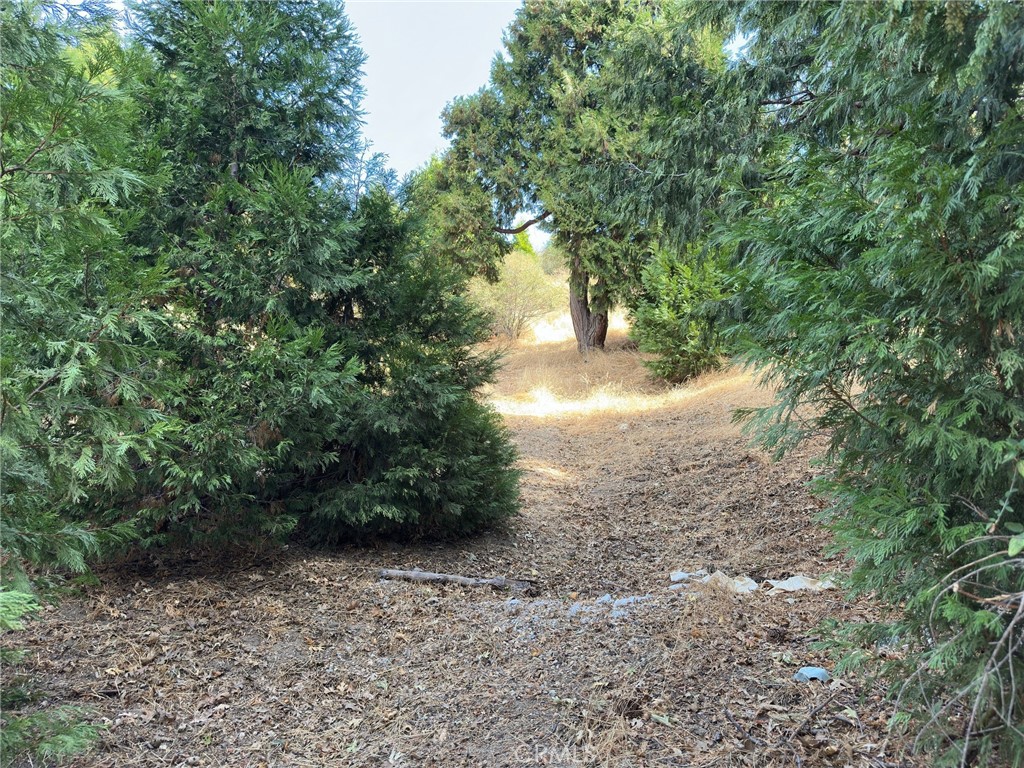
x,y
590,327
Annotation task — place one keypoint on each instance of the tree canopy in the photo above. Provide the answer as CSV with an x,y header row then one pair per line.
x,y
522,138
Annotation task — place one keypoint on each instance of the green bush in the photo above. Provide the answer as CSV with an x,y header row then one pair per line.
x,y
677,316
883,269
522,293
416,452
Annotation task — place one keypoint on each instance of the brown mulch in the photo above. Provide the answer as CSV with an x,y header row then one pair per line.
x,y
310,659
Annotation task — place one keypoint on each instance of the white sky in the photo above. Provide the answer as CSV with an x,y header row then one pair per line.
x,y
420,55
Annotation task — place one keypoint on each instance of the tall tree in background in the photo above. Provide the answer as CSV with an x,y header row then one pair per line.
x,y
667,126
453,219
522,137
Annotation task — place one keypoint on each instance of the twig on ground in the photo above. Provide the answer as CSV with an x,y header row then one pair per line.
x,y
498,582
747,735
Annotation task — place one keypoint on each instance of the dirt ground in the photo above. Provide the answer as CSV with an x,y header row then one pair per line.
x,y
311,659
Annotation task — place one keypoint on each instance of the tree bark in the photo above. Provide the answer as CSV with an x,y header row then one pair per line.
x,y
590,327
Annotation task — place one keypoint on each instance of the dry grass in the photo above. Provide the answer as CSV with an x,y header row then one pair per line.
x,y
549,378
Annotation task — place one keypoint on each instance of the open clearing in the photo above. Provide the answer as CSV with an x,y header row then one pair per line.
x,y
310,659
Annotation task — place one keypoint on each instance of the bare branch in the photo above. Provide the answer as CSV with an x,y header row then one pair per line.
x,y
522,227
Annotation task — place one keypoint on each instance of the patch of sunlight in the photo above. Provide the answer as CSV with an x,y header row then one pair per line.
x,y
541,403
556,327
547,470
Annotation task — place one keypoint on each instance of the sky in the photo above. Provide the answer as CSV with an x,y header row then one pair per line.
x,y
420,55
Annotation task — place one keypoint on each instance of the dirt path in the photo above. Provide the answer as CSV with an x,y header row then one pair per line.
x,y
309,659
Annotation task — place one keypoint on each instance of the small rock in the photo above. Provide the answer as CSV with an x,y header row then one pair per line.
x,y
624,601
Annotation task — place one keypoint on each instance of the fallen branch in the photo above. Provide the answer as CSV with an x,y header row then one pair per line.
x,y
498,582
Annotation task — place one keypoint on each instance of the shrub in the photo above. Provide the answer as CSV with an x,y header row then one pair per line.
x,y
523,292
416,453
552,261
884,285
47,734
677,316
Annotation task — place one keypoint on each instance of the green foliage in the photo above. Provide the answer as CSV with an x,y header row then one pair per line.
x,y
525,136
51,736
522,243
323,342
203,340
48,734
522,293
678,316
453,221
883,285
659,131
417,452
81,403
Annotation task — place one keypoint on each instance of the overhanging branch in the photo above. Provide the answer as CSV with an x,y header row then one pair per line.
x,y
522,227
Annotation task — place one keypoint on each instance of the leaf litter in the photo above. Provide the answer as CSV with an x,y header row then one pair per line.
x,y
309,658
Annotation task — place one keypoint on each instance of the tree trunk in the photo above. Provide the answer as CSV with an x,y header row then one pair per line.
x,y
591,328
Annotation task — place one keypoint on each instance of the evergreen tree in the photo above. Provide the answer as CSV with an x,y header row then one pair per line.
x,y
667,127
525,135
325,365
418,452
82,393
678,315
453,219
255,106
883,283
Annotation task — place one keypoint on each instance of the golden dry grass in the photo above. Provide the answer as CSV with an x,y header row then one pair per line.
x,y
545,376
